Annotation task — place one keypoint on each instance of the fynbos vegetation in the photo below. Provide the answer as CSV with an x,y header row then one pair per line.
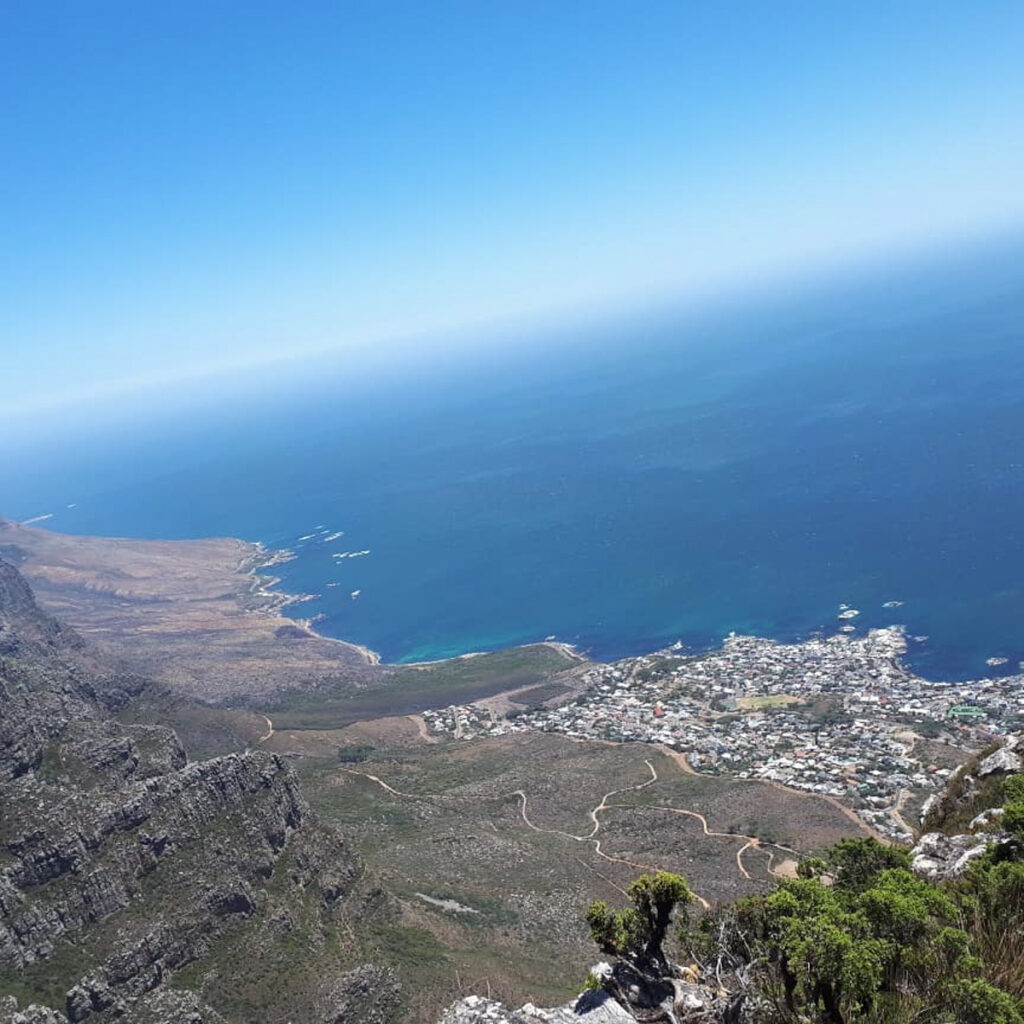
x,y
858,938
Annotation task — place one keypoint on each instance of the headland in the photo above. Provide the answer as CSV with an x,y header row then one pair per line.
x,y
199,615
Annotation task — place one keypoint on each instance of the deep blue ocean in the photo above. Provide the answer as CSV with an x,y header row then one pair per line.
x,y
674,475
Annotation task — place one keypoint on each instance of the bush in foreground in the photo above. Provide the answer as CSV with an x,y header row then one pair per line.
x,y
856,939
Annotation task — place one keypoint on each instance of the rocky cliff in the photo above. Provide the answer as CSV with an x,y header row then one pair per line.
x,y
137,886
960,824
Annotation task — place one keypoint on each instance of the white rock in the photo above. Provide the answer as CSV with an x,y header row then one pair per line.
x,y
1003,760
939,856
928,805
986,818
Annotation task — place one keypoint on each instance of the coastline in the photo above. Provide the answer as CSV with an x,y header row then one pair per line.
x,y
213,604
202,616
273,602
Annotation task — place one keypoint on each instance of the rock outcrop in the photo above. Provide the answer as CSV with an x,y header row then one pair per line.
x,y
963,822
622,995
938,856
971,801
694,1004
122,863
1004,761
596,1007
367,995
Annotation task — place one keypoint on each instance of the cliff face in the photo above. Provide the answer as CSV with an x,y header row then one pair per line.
x,y
959,824
23,624
137,886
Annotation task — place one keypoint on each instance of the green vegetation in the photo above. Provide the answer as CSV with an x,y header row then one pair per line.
x,y
967,795
354,753
409,947
203,730
660,666
47,981
637,933
409,689
1013,795
857,938
460,835
767,702
537,695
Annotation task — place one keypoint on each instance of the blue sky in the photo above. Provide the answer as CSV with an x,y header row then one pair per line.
x,y
189,187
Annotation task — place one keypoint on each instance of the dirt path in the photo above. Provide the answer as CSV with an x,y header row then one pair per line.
x,y
380,782
739,860
591,836
677,756
537,828
908,740
270,730
896,811
787,867
421,728
749,842
681,760
593,815
603,805
849,812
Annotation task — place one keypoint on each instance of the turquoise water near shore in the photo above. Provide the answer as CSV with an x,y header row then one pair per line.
x,y
673,476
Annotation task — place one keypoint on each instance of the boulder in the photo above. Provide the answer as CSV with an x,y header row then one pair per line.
x,y
1004,761
941,857
986,819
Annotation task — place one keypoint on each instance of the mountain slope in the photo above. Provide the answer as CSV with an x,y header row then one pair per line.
x,y
135,885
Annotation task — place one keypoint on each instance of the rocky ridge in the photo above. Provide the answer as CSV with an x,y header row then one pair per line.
x,y
130,877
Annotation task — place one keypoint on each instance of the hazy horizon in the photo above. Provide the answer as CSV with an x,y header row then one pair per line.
x,y
117,401
751,467
192,192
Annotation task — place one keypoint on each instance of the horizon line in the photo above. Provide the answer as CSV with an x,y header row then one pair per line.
x,y
394,340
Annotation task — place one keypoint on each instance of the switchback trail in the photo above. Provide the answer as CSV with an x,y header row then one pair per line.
x,y
594,815
748,841
602,806
591,836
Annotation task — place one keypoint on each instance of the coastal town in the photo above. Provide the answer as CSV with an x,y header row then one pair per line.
x,y
839,716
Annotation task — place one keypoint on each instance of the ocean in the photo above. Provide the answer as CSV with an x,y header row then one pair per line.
x,y
751,466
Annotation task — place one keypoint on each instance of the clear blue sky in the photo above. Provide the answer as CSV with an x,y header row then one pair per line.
x,y
186,186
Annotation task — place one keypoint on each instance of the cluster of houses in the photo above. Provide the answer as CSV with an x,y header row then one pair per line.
x,y
832,715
